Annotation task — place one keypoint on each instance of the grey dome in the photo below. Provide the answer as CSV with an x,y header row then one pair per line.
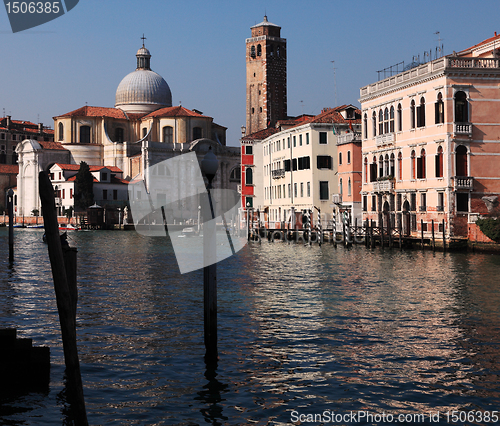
x,y
141,91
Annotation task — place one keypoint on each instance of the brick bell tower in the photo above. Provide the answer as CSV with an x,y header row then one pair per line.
x,y
266,77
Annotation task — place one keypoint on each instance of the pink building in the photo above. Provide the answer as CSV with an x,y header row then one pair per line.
x,y
431,143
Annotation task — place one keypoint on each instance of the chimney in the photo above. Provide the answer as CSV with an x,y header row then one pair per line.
x,y
8,122
40,128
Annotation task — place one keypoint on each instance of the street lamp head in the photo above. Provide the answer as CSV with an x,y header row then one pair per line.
x,y
209,165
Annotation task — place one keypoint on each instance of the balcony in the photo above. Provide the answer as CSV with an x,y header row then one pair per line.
x,y
462,182
383,186
386,139
462,129
279,173
348,138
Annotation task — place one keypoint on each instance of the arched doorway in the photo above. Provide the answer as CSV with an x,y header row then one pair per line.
x,y
406,218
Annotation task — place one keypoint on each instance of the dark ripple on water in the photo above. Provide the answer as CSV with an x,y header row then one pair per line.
x,y
300,328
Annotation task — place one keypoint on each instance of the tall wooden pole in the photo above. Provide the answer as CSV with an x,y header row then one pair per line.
x,y
422,233
444,238
433,238
64,301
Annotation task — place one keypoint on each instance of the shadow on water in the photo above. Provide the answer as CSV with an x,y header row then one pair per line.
x,y
211,398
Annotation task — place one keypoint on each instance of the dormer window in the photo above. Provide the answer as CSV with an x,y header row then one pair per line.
x,y
104,177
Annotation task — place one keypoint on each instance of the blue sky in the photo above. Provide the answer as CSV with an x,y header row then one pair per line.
x,y
198,47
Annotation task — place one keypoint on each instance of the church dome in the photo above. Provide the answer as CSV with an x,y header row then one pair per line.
x,y
143,90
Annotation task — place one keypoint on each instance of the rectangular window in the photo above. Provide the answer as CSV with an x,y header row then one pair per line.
x,y
294,141
289,190
413,202
104,177
365,203
308,189
288,142
104,194
300,140
294,164
249,202
307,138
423,202
287,164
373,172
398,202
115,194
374,203
71,193
324,162
440,204
462,202
295,189
249,149
301,189
323,190
63,194
323,138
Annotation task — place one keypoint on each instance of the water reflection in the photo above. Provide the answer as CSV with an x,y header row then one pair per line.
x,y
300,328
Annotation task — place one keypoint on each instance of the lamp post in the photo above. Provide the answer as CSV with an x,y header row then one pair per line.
x,y
209,166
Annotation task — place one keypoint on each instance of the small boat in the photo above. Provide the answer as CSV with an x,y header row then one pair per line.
x,y
67,227
189,232
35,226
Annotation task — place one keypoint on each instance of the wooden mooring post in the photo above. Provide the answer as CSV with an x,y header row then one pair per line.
x,y
422,233
372,239
366,233
444,238
433,239
400,225
64,301
10,207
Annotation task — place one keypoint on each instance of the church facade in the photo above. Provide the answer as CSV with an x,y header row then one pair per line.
x,y
142,129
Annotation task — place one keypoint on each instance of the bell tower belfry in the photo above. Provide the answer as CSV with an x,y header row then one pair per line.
x,y
266,77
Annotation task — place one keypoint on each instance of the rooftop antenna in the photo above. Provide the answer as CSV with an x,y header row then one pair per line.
x,y
439,48
302,107
334,81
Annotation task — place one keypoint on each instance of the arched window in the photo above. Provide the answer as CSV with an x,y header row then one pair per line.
x,y
374,123
349,187
381,166
119,134
366,170
386,121
252,51
386,165
461,108
248,176
3,155
413,165
235,175
400,118
421,113
421,165
412,114
259,50
461,161
400,166
197,133
439,109
60,131
392,171
439,162
365,125
340,158
348,157
168,134
144,132
391,118
340,187
84,134
373,170
380,122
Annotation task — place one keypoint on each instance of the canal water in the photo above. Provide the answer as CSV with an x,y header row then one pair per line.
x,y
302,331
